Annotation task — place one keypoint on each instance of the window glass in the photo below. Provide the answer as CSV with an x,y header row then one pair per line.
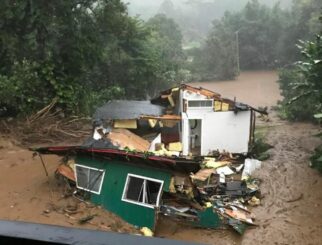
x,y
200,103
135,189
89,179
82,176
152,190
95,179
142,190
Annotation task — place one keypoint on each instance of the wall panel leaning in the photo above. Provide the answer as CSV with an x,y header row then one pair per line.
x,y
226,131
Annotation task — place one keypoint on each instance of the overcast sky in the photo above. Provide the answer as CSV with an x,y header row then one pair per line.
x,y
148,8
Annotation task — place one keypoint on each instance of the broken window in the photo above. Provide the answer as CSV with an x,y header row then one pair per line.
x,y
142,190
200,103
89,179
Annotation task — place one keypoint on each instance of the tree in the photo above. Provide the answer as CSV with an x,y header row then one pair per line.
x,y
301,85
81,52
166,49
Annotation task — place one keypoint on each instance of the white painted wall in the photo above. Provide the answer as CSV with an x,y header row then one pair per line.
x,y
185,135
225,131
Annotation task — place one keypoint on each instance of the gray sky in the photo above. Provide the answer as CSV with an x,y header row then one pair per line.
x,y
148,8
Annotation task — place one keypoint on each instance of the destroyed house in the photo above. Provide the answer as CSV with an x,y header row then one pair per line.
x,y
147,158
189,120
133,185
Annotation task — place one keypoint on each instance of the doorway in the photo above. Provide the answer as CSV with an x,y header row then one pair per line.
x,y
195,126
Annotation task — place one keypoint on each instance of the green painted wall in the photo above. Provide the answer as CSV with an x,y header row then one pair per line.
x,y
113,185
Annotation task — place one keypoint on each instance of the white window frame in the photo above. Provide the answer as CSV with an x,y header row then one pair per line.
x,y
200,107
144,193
97,169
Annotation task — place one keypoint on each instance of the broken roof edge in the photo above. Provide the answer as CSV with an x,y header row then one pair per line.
x,y
238,105
203,91
62,150
165,162
127,110
163,117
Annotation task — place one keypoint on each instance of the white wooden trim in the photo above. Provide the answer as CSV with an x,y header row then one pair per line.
x,y
144,193
82,188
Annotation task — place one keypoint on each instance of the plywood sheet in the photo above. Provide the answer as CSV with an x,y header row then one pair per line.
x,y
125,138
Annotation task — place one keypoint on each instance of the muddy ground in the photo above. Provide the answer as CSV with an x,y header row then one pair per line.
x,y
290,212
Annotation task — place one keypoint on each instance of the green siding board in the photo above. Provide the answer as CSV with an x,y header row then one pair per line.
x,y
112,189
208,219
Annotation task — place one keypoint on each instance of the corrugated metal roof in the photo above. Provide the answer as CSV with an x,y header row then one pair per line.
x,y
127,109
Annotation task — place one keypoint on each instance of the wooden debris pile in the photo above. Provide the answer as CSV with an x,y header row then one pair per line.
x,y
48,126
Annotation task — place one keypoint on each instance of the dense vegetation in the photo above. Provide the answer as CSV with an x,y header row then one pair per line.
x,y
86,52
266,38
300,82
302,88
81,52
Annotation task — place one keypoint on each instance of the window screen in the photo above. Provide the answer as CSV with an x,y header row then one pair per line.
x,y
141,190
89,179
200,103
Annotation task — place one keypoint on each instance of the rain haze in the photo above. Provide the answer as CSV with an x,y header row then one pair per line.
x,y
188,120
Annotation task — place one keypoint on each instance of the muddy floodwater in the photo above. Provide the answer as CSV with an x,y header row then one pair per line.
x,y
290,211
254,88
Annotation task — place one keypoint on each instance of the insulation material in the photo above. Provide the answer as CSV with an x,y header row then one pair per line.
x,y
171,101
217,106
160,150
152,122
214,164
124,138
146,232
175,146
131,123
160,124
224,107
164,152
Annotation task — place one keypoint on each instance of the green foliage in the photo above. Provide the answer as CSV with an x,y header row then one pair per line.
x,y
302,89
316,159
165,45
301,85
260,147
26,88
83,53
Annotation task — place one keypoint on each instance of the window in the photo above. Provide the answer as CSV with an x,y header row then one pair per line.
x,y
200,103
89,179
142,190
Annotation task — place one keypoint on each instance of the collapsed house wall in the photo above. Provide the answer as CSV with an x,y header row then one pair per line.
x,y
226,131
223,131
112,191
